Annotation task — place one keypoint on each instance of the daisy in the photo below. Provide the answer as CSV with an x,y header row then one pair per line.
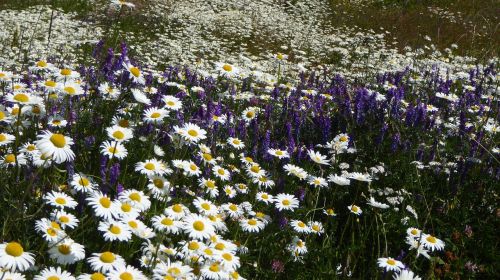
x,y
119,134
7,275
432,243
172,103
229,191
329,212
207,157
177,211
13,257
105,261
41,160
67,251
205,207
82,183
114,230
136,198
6,139
317,157
72,88
281,154
210,186
249,114
406,275
300,226
60,200
10,160
134,73
52,273
377,204
339,180
57,121
264,197
233,210
5,75
50,230
226,69
56,146
126,272
66,74
190,168
93,276
355,209
159,187
359,177
297,246
317,182
125,209
285,201
229,260
140,97
214,271
197,227
166,224
221,173
151,167
66,220
390,264
23,98
417,245
251,225
102,205
191,132
413,232
255,171
113,149
316,227
42,65
296,171
154,115
236,143
108,91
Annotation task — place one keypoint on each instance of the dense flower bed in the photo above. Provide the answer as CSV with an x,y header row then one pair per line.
x,y
109,170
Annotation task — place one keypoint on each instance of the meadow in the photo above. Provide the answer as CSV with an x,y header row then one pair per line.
x,y
249,139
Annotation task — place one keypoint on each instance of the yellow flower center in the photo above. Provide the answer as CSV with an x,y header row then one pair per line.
x,y
97,276
115,229
118,135
58,140
220,246
133,224
214,267
250,114
158,183
205,206
167,222
228,257
174,271
193,245
64,249
107,257
105,202
50,83
414,231
301,224
70,90
155,115
391,262
41,64
135,197
65,72
199,225
84,181
170,103
279,153
177,208
227,67
252,222
21,97
10,158
354,208
53,278
14,249
343,138
221,171
149,166
61,200
64,219
126,276
193,132
233,207
135,71
285,202
431,239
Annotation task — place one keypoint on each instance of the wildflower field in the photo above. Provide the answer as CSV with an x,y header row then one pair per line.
x,y
249,139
